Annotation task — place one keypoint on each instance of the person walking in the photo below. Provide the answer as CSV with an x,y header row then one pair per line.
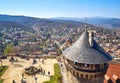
x,y
22,75
49,73
36,79
39,59
13,81
23,80
43,72
43,61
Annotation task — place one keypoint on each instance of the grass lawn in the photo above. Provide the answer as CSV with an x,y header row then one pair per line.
x,y
2,70
57,77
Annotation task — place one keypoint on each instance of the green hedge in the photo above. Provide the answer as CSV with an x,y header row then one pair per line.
x,y
2,70
57,77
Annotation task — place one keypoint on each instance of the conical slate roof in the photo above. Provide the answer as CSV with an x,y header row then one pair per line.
x,y
82,52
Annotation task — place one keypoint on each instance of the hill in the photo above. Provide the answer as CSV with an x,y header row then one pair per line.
x,y
11,24
30,22
101,21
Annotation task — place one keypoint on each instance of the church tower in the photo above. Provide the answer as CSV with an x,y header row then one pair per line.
x,y
86,60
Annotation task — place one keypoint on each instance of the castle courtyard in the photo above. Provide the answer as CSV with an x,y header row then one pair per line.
x,y
15,70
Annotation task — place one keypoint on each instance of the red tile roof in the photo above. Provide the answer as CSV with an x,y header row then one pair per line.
x,y
113,69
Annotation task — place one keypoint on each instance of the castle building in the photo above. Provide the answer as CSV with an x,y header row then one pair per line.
x,y
86,60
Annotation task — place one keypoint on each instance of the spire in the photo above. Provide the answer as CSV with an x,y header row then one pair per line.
x,y
86,24
85,28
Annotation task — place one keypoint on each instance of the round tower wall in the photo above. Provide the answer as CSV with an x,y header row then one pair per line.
x,y
86,71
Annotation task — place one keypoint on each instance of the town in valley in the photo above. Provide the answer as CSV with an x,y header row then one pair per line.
x,y
65,46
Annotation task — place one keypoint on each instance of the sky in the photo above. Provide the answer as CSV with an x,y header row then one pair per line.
x,y
61,8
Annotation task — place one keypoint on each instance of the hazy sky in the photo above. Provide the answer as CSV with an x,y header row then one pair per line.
x,y
61,8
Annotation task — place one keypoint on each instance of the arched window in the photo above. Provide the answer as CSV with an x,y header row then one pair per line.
x,y
77,74
86,76
73,72
92,66
91,76
82,75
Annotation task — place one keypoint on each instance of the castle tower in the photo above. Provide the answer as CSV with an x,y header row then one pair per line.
x,y
86,60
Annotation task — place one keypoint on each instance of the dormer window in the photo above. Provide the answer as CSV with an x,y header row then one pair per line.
x,y
75,63
86,65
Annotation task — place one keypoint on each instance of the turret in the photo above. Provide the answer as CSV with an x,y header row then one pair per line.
x,y
86,60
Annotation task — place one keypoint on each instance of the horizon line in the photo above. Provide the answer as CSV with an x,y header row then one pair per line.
x,y
59,16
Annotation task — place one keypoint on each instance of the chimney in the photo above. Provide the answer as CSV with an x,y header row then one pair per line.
x,y
91,36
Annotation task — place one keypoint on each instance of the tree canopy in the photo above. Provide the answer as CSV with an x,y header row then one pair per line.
x,y
8,50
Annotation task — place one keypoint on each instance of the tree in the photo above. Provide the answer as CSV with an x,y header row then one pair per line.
x,y
8,50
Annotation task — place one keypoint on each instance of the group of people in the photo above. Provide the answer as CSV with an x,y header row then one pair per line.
x,y
34,61
42,71
23,80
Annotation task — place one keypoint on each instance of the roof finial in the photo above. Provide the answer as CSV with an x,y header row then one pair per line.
x,y
86,24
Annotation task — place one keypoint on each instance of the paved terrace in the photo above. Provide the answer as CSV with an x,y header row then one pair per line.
x,y
15,70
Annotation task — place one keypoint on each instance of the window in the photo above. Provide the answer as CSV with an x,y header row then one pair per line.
x,y
81,75
97,66
91,76
86,65
73,72
91,66
80,64
75,63
86,76
105,64
77,74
